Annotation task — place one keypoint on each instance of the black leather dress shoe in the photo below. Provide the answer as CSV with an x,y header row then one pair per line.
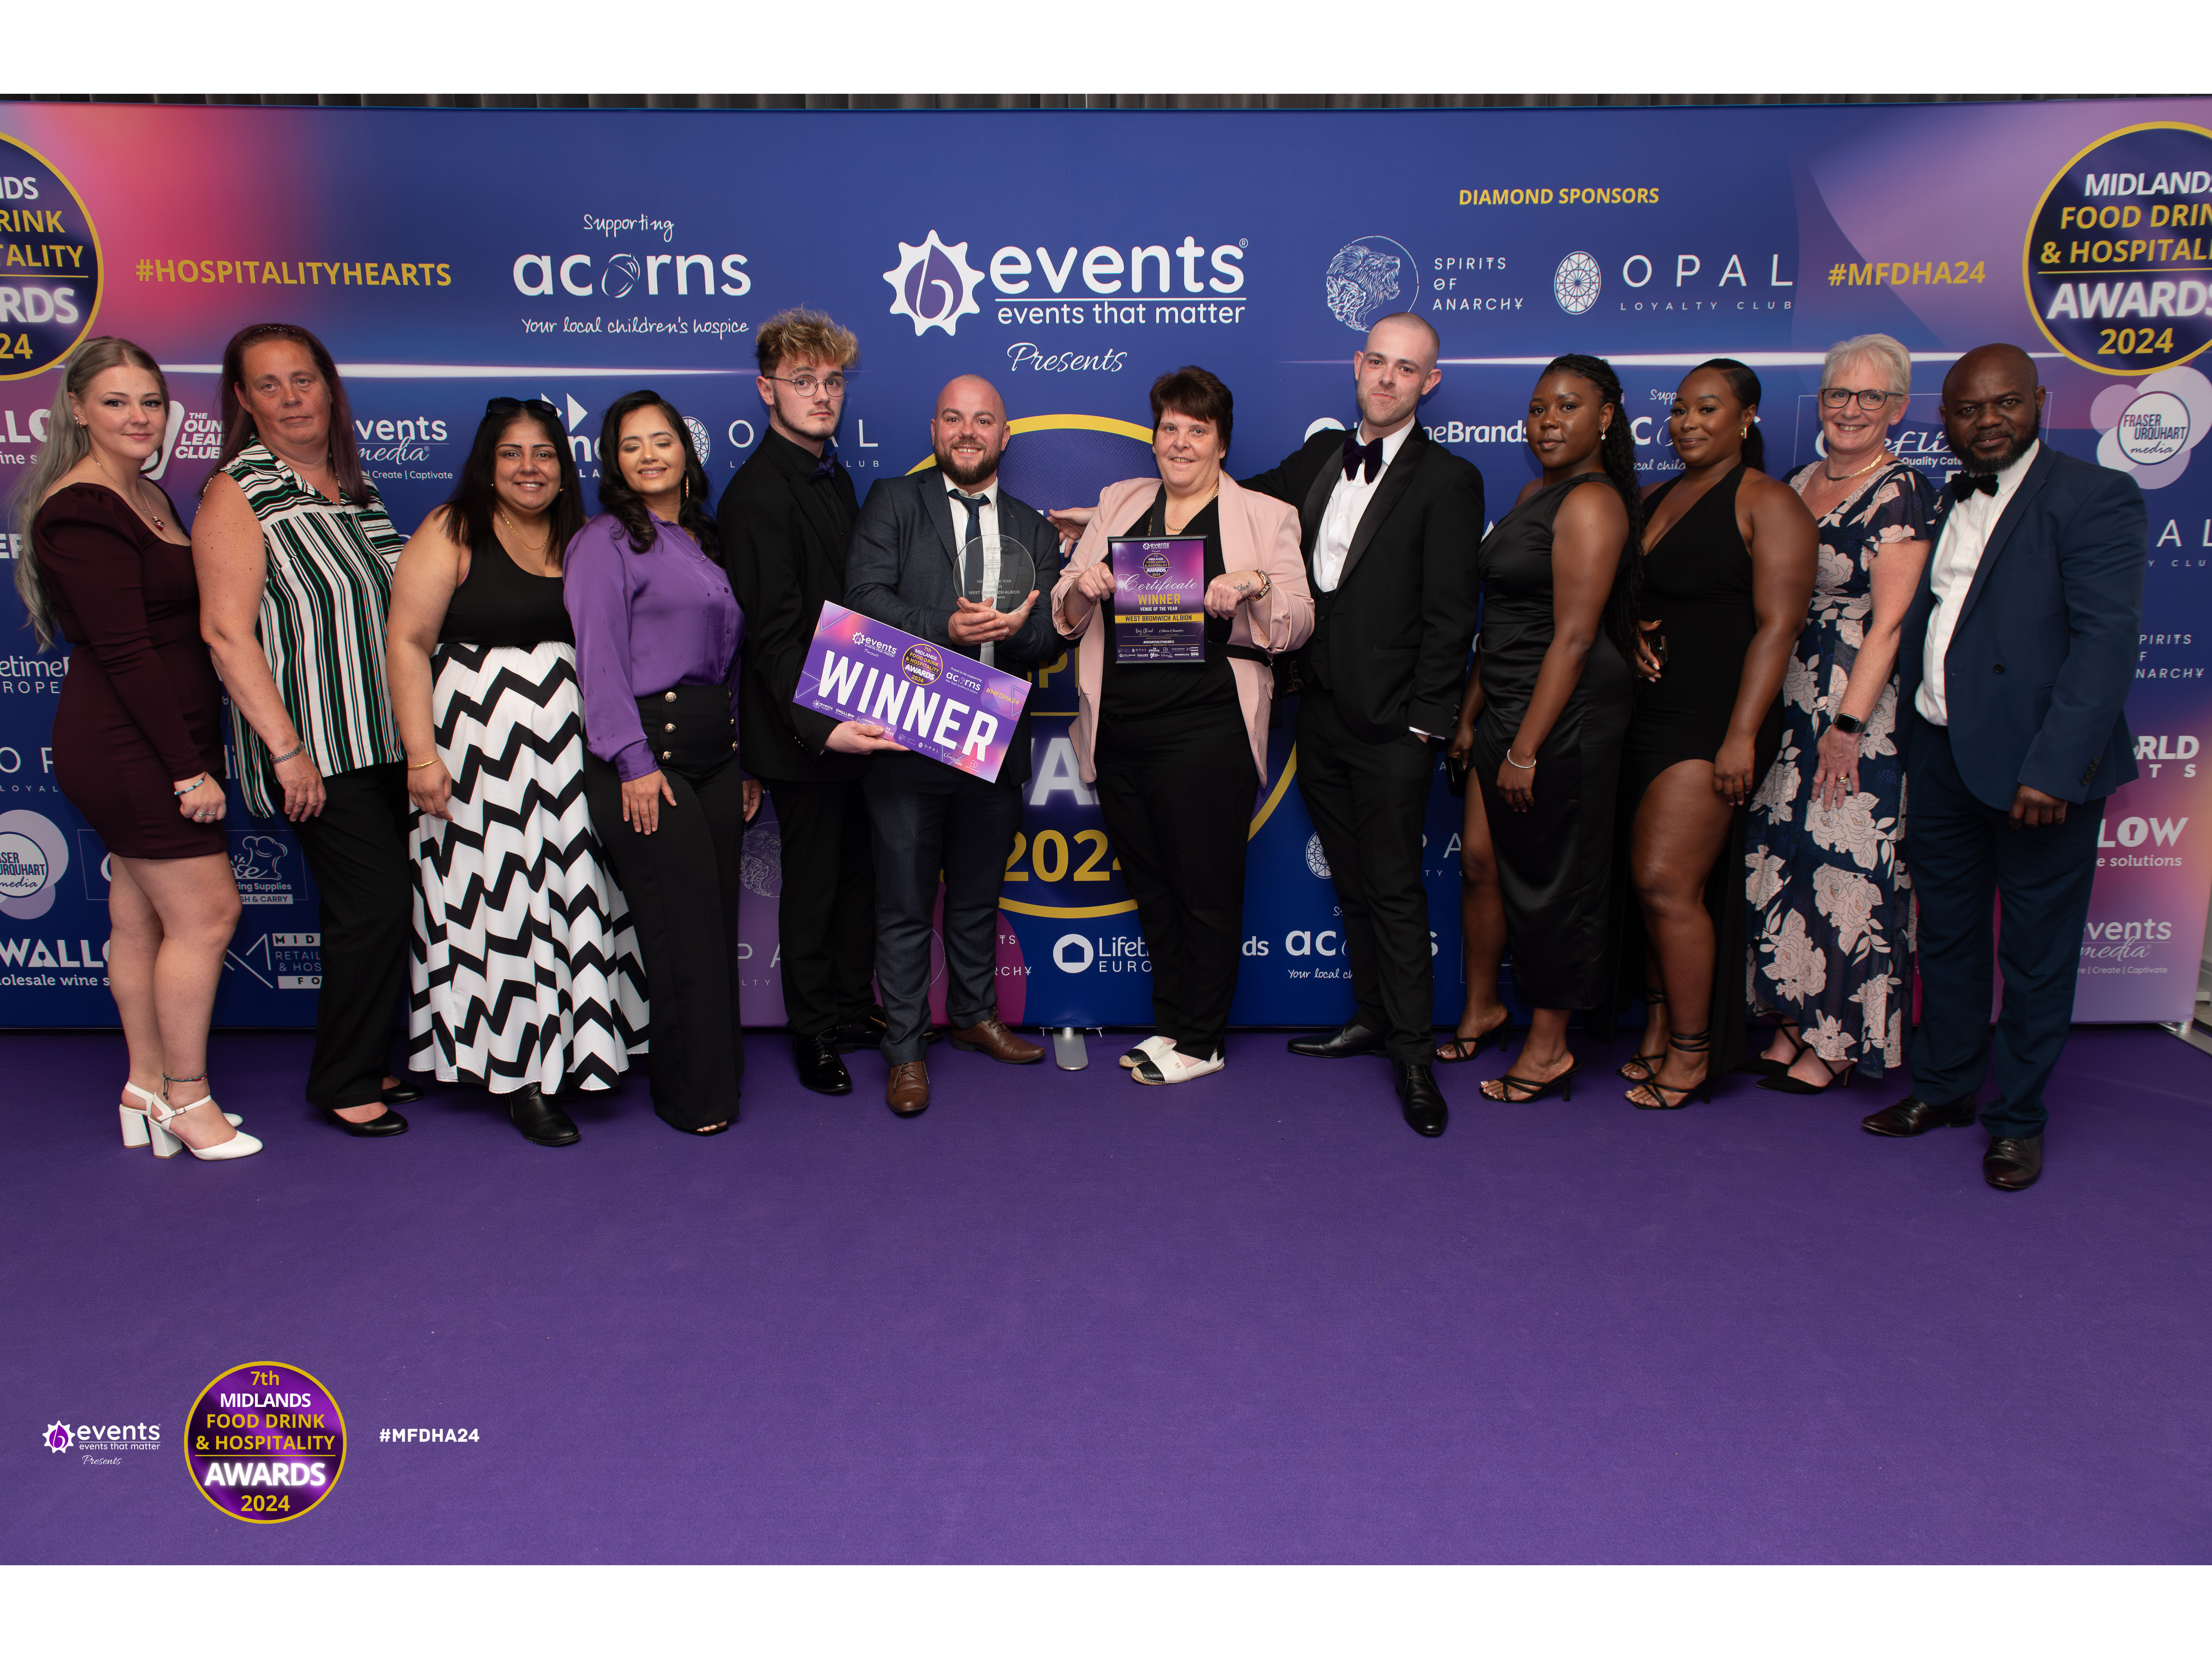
x,y
376,1129
1915,1116
1422,1100
819,1067
864,1030
2012,1163
1343,1043
542,1122
402,1094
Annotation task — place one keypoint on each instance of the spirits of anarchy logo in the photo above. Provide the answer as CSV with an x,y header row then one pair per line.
x,y
934,285
1371,278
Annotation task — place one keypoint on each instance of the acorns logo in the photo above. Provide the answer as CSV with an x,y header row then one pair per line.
x,y
620,276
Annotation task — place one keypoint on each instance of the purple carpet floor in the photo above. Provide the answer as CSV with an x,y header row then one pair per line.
x,y
1064,1319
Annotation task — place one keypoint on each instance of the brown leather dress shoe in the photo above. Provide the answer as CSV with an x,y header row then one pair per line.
x,y
1915,1116
989,1036
2013,1163
908,1093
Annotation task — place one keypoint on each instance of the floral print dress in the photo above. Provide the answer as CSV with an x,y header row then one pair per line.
x,y
1830,903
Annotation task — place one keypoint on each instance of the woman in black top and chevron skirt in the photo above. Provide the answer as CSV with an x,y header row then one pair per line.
x,y
524,977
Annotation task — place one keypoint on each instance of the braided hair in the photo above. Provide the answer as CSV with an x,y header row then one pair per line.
x,y
1617,454
1745,384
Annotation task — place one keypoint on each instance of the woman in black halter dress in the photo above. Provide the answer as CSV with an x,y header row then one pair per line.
x,y
1552,697
1728,557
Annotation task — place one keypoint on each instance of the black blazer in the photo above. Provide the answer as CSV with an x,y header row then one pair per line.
x,y
2037,675
784,545
1390,644
903,570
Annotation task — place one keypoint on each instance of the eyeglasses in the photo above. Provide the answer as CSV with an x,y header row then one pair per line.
x,y
1835,397
806,384
512,405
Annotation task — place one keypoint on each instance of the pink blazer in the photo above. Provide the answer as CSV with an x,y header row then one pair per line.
x,y
1258,533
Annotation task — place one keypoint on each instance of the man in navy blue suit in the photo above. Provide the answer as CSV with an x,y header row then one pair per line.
x,y
2015,662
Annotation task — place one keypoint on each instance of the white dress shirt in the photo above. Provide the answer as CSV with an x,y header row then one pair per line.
x,y
1951,576
1348,505
987,526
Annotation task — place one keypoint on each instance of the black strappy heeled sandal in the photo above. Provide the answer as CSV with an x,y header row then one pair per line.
x,y
1760,1066
1521,1090
1638,1068
1655,1092
1455,1049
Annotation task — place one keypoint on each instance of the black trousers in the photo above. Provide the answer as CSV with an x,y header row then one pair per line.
x,y
1960,851
1369,801
826,918
682,883
1176,796
930,819
356,846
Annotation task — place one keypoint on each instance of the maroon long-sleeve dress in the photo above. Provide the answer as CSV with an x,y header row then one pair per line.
x,y
141,706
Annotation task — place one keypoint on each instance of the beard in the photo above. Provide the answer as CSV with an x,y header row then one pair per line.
x,y
968,474
2018,447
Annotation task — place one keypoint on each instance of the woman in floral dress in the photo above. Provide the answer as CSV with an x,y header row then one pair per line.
x,y
1830,922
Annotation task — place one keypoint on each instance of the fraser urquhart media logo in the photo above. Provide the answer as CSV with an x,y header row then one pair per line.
x,y
933,285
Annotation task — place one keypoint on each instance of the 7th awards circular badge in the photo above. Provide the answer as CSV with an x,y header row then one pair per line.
x,y
265,1443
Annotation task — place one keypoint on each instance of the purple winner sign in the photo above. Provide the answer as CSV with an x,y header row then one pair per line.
x,y
1159,599
934,701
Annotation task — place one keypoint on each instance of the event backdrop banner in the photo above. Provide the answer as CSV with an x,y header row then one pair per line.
x,y
448,257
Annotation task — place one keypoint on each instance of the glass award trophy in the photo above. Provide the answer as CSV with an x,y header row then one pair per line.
x,y
997,571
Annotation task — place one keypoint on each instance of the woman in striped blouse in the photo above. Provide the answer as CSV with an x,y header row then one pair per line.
x,y
295,556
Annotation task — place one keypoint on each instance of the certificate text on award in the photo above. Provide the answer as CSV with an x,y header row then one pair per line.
x,y
1159,599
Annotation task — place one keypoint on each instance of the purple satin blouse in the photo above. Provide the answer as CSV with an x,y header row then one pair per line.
x,y
645,622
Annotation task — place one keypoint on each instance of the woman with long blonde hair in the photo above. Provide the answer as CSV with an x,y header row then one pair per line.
x,y
107,568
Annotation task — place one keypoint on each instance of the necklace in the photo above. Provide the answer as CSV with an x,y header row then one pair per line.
x,y
538,552
153,519
1868,467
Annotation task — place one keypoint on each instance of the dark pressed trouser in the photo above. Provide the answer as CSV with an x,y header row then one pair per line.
x,y
826,918
1369,801
930,819
356,846
1176,796
682,883
1960,850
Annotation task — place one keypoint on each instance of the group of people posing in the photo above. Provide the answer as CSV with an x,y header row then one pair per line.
x,y
520,748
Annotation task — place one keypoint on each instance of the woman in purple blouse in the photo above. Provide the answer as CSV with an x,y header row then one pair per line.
x,y
657,633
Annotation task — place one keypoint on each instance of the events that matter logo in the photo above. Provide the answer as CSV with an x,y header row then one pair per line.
x,y
933,285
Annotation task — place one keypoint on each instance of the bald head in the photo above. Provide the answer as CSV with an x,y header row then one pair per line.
x,y
1992,407
968,433
1402,334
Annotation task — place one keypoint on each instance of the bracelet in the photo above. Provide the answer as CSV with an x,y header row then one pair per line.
x,y
290,754
1266,585
180,793
1526,766
419,765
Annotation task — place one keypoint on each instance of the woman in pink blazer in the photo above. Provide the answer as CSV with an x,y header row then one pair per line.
x,y
1178,750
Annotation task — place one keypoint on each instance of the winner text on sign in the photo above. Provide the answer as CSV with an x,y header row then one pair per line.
x,y
933,701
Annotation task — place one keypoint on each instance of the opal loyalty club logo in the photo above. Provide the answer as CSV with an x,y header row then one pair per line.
x,y
933,285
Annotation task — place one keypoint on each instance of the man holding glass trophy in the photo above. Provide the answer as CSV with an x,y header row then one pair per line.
x,y
947,555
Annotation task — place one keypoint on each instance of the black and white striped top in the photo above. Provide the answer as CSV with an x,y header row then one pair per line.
x,y
323,610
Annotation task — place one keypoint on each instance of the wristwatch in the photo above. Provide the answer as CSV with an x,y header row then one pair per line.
x,y
1848,724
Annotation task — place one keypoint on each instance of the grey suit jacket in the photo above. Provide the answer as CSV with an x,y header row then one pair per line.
x,y
903,568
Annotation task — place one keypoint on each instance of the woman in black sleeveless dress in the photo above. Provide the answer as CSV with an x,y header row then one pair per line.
x,y
1728,557
524,978
1540,728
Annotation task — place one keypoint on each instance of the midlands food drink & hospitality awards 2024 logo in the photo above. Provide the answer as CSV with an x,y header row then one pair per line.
x,y
265,1443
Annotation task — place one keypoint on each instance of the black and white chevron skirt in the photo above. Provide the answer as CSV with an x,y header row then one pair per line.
x,y
525,969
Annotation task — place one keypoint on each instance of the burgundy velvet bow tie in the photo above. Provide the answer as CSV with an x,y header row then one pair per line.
x,y
1356,451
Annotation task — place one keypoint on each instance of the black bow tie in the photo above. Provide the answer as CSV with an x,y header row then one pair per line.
x,y
1356,451
1964,484
826,465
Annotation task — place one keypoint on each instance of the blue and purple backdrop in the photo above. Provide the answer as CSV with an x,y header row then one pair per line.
x,y
450,256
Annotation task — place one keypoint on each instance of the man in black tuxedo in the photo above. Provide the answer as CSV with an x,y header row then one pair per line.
x,y
1391,521
2014,663
908,567
784,520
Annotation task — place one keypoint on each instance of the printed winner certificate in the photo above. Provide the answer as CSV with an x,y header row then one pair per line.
x,y
1159,599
